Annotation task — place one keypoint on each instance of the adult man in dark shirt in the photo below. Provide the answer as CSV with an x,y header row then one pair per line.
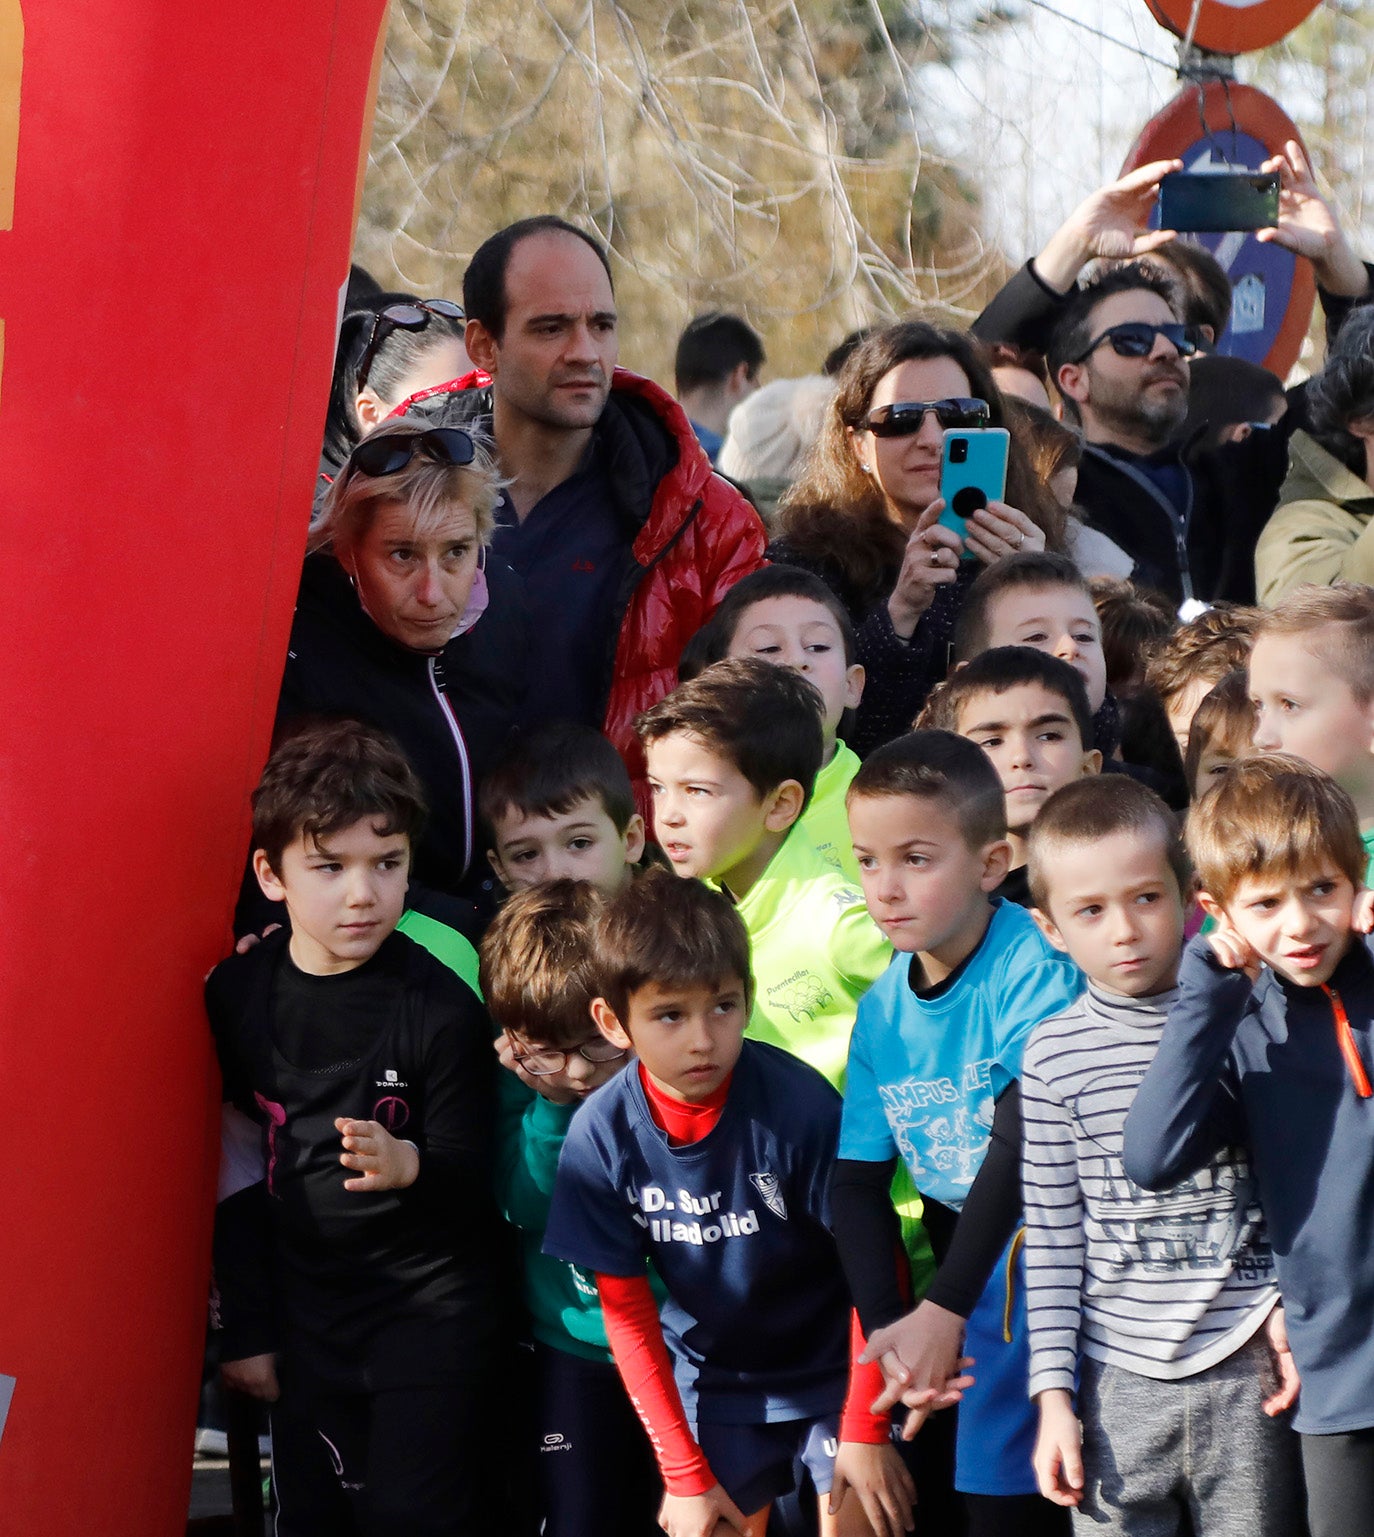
x,y
624,536
1188,520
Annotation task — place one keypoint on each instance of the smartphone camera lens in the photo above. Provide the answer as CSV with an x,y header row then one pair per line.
x,y
958,451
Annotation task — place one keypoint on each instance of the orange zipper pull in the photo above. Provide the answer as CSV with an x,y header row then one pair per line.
x,y
1345,1039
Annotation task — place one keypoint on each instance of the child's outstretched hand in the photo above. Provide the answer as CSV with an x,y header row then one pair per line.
x,y
1058,1455
1276,1337
383,1161
1362,914
712,1514
879,1477
919,1356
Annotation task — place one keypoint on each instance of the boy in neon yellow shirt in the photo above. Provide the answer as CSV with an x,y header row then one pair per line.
x,y
732,758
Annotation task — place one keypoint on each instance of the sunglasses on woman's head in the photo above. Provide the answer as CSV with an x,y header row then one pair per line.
x,y
402,317
386,455
904,417
1136,339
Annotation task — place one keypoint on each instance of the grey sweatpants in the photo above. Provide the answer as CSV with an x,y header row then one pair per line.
x,y
1154,1449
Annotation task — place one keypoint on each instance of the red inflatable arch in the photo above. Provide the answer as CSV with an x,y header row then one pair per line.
x,y
178,190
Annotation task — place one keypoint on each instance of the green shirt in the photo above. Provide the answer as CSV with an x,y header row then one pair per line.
x,y
825,821
815,951
1368,840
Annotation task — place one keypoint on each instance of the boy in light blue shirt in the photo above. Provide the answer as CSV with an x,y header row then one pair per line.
x,y
933,1069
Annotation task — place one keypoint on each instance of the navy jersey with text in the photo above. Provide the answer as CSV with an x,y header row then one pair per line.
x,y
737,1227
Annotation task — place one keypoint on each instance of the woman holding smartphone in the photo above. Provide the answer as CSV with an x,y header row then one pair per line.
x,y
866,513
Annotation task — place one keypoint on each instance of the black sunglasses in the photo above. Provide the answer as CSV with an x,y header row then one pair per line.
x,y
1136,339
904,417
402,317
386,455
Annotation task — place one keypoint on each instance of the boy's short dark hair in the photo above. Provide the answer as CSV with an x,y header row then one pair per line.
x,y
765,720
942,767
1002,668
538,969
712,346
547,771
1339,623
672,931
1207,647
1275,813
1088,810
329,775
713,640
1225,719
1032,572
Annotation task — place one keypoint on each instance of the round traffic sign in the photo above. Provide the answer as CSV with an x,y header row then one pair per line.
x,y
1225,125
1233,26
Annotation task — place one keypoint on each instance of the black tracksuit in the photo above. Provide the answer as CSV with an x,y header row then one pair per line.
x,y
379,1305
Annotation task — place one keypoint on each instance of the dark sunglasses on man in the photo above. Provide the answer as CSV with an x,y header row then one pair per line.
x,y
387,455
1136,339
904,417
402,317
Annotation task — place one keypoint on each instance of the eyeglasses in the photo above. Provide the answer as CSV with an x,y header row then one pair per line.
x,y
386,455
904,417
1136,339
402,317
540,1064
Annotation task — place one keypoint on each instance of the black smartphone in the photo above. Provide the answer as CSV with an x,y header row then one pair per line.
x,y
1218,200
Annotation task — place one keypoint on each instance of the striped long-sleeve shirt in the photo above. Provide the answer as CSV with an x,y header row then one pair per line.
x,y
1162,1283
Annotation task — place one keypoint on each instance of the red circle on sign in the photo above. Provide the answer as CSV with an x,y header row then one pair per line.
x,y
1225,26
1171,133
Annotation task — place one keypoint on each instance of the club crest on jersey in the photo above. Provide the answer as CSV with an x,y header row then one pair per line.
x,y
767,1187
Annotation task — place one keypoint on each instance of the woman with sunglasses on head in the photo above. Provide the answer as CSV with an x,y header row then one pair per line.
x,y
865,513
388,351
402,622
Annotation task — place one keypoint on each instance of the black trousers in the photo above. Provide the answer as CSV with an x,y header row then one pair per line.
x,y
596,1470
408,1462
1339,1471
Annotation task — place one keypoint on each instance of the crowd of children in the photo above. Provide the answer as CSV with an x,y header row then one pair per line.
x,y
868,1144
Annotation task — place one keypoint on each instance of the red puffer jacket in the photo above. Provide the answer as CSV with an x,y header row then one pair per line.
x,y
696,537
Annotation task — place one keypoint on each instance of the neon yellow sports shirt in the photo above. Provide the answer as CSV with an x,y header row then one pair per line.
x,y
815,952
824,821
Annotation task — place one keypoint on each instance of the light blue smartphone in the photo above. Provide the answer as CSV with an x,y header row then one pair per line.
x,y
973,472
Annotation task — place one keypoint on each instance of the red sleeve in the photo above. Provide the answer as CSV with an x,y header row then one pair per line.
x,y
641,1356
857,1421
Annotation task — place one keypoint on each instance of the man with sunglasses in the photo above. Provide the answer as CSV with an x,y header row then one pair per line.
x,y
1119,356
624,537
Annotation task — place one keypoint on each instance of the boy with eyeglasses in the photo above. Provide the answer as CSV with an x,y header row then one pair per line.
x,y
594,1467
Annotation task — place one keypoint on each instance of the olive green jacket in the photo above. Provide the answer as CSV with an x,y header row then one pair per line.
x,y
1322,530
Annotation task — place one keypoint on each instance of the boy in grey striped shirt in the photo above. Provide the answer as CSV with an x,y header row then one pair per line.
x,y
1159,1310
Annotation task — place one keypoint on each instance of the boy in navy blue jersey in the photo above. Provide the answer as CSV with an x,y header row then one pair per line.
x,y
711,1157
933,1069
1267,1047
353,1239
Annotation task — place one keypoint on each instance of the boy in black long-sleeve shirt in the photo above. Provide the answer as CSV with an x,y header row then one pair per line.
x,y
1268,1047
356,1298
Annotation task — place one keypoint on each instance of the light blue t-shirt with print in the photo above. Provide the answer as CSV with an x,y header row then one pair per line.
x,y
925,1073
923,1080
